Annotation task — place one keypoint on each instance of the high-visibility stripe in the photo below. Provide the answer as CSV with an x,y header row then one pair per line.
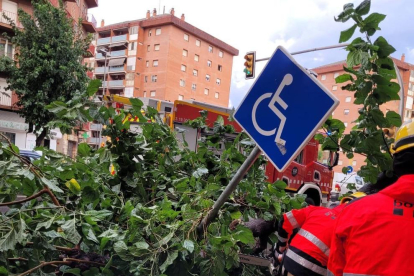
x,y
313,239
330,273
305,263
279,238
292,220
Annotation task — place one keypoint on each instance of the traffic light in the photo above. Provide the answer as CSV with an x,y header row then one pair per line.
x,y
249,64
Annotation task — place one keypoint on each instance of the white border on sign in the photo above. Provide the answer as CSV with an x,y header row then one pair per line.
x,y
318,125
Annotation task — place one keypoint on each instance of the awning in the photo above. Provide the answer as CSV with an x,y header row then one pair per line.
x,y
116,62
113,45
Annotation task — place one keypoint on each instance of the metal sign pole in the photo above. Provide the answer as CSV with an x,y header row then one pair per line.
x,y
244,168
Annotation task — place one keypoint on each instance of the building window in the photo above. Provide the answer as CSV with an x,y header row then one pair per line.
x,y
185,52
220,68
210,49
147,63
132,46
194,87
346,111
145,78
148,48
323,77
220,54
195,72
218,81
180,97
340,162
207,77
186,37
216,95
182,83
336,75
154,78
335,87
353,163
155,63
156,47
158,31
206,91
209,63
145,94
11,136
198,43
183,68
149,32
348,99
196,57
133,30
152,93
346,124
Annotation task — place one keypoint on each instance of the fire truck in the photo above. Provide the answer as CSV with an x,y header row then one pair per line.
x,y
305,175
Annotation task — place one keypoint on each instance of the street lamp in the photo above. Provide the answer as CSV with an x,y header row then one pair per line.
x,y
105,53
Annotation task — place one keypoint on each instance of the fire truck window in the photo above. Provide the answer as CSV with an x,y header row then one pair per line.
x,y
167,109
286,180
316,176
299,158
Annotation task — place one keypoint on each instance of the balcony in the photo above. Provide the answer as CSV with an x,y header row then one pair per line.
x,y
113,84
89,23
6,98
96,127
101,70
12,15
96,140
104,41
119,38
92,3
117,69
113,54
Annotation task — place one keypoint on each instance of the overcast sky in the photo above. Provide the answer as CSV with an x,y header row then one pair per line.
x,y
262,25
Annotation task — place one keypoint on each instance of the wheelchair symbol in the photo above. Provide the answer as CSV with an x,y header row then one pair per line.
x,y
287,80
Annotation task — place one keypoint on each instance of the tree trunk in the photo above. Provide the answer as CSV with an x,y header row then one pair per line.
x,y
41,137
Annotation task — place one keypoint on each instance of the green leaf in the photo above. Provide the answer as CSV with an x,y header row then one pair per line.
x,y
371,23
52,184
393,118
343,78
170,259
3,271
345,170
347,34
8,241
84,149
363,8
122,250
98,215
378,117
45,224
141,245
69,228
200,172
280,184
136,103
244,235
385,49
350,155
236,215
91,236
189,245
164,240
93,87
56,106
268,216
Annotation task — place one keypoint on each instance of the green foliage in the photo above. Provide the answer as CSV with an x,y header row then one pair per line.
x,y
142,218
47,66
369,75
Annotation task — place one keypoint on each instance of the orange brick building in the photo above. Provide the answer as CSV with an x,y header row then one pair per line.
x,y
164,57
11,124
347,111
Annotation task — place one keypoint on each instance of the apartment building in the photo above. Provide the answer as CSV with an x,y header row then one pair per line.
x,y
11,124
163,57
347,111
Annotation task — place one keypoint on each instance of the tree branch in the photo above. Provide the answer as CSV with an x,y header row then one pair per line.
x,y
44,264
24,200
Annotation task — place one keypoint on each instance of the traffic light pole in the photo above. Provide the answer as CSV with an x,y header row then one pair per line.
x,y
311,50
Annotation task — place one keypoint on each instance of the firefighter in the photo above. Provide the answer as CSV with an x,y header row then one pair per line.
x,y
374,235
309,249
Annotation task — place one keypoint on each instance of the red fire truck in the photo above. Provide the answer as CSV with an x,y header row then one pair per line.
x,y
305,175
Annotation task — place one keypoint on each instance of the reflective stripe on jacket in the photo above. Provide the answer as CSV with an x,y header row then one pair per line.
x,y
313,238
374,235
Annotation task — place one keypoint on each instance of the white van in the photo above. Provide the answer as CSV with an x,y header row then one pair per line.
x,y
340,183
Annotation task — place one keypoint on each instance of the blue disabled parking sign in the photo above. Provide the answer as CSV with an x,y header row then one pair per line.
x,y
284,108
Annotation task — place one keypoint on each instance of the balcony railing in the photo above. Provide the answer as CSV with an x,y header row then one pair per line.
x,y
101,70
96,140
119,38
116,69
3,54
96,127
118,53
11,15
6,98
113,83
103,41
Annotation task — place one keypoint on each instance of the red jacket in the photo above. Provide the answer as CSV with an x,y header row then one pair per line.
x,y
313,240
375,235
